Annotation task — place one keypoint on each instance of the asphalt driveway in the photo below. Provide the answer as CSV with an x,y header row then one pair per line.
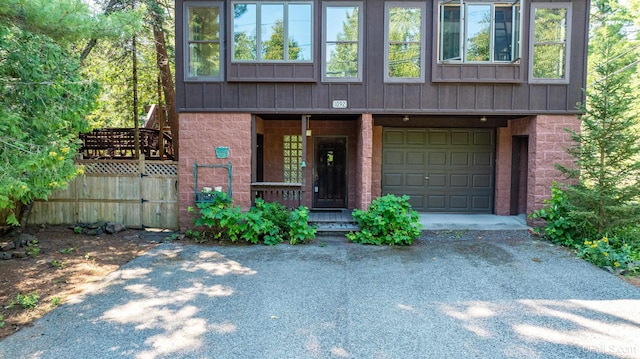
x,y
475,298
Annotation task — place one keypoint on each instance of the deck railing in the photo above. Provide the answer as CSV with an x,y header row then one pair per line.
x,y
291,195
119,143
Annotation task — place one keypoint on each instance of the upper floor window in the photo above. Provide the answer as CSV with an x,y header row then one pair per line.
x,y
272,31
487,31
551,26
404,45
342,42
203,30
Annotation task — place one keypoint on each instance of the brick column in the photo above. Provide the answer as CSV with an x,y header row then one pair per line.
x,y
364,161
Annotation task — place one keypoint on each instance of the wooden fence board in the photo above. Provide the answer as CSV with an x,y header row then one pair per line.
x,y
134,193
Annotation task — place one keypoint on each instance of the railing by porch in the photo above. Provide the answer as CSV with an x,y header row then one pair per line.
x,y
291,195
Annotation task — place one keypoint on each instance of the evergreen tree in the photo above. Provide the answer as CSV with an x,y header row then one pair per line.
x,y
607,150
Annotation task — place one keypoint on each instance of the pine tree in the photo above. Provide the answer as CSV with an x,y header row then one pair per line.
x,y
607,150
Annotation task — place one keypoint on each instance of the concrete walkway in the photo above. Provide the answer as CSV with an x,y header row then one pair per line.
x,y
472,222
491,298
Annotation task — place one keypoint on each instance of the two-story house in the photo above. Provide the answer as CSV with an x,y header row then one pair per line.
x,y
459,104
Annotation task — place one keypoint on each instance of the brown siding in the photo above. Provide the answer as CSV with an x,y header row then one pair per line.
x,y
468,89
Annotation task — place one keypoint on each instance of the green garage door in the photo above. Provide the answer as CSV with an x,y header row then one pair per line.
x,y
441,170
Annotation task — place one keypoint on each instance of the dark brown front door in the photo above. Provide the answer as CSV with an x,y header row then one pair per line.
x,y
330,184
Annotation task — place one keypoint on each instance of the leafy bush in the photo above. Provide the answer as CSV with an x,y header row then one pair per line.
x,y
608,253
389,220
269,223
299,230
27,301
556,213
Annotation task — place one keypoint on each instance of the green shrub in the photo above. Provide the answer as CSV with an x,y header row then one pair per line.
x,y
267,222
299,230
608,253
389,220
26,301
556,213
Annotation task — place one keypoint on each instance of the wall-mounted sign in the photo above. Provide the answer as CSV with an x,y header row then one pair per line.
x,y
222,152
339,104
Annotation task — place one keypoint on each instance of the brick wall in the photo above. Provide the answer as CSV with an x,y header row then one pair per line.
x,y
548,141
200,134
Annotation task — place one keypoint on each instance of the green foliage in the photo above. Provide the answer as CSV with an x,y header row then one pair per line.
x,y
299,229
33,249
608,253
557,216
607,150
56,301
1,321
67,250
27,301
43,101
57,264
389,220
268,223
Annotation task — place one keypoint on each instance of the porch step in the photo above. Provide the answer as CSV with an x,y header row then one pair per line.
x,y
332,222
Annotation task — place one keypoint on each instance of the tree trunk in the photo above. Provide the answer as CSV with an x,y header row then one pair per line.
x,y
25,211
111,7
162,59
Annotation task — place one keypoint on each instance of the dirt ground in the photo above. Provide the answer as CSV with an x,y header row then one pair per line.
x,y
67,265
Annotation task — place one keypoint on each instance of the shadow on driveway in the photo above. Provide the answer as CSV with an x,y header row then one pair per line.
x,y
489,298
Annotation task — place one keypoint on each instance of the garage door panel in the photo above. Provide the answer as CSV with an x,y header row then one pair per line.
x,y
460,181
394,137
416,138
481,203
460,158
438,137
437,158
459,165
415,180
417,202
437,180
459,203
483,138
393,179
394,158
482,159
437,202
482,181
416,158
460,138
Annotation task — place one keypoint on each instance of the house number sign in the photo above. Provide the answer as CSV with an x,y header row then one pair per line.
x,y
339,104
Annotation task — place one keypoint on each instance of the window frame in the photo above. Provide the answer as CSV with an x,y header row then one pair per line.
x,y
285,21
464,29
567,44
423,41
187,6
360,6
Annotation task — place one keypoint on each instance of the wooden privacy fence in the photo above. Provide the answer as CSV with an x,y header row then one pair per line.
x,y
136,193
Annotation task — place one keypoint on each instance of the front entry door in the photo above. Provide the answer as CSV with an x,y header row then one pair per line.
x,y
330,180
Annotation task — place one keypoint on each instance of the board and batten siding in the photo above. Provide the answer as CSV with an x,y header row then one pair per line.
x,y
447,89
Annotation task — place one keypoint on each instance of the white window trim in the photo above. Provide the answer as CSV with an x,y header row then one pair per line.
x,y
285,20
567,58
185,35
360,6
423,32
